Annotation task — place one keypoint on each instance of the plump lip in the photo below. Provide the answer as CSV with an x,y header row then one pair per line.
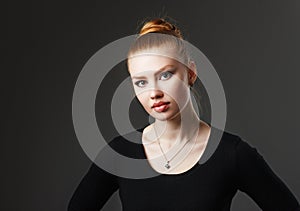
x,y
159,104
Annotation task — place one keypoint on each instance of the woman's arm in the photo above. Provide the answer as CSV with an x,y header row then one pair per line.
x,y
257,180
94,190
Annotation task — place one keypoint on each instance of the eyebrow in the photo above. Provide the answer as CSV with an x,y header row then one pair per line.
x,y
157,72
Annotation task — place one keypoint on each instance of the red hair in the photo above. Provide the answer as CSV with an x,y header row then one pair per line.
x,y
160,25
158,33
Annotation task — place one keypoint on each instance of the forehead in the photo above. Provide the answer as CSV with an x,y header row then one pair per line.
x,y
147,62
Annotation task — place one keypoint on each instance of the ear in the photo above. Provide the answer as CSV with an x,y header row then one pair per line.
x,y
192,73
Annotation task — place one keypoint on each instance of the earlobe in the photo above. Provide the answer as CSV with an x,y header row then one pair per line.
x,y
192,73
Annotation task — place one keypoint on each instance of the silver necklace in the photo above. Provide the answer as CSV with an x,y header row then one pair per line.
x,y
167,165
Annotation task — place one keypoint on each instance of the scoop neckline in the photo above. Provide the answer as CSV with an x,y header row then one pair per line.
x,y
190,170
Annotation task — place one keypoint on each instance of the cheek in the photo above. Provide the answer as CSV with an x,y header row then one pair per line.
x,y
179,92
142,99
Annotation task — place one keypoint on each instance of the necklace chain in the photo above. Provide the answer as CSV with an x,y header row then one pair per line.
x,y
168,161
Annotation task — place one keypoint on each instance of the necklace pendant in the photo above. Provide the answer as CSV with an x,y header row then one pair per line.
x,y
167,165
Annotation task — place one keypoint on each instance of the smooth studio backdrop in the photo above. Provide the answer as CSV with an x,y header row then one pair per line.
x,y
253,45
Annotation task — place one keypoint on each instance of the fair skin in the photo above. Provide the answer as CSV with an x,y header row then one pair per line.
x,y
158,78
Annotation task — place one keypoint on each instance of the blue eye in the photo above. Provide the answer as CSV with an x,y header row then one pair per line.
x,y
166,75
140,83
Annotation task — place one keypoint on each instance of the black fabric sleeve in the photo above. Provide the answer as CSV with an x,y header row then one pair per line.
x,y
257,180
94,190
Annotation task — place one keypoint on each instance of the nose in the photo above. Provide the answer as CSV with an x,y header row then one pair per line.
x,y
156,93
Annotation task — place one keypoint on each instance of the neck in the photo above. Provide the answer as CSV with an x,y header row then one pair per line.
x,y
180,129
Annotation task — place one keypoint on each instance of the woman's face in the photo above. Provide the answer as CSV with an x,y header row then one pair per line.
x,y
160,84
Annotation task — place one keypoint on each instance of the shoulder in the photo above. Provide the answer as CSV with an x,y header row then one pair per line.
x,y
244,154
239,145
221,146
228,140
233,145
235,141
128,144
237,152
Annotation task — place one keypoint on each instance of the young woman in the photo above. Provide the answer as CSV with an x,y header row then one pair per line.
x,y
162,74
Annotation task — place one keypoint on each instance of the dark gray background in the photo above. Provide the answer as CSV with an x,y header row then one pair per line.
x,y
253,45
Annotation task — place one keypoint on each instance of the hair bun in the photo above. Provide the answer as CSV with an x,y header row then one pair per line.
x,y
160,25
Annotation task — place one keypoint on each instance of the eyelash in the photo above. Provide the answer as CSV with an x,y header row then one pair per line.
x,y
168,73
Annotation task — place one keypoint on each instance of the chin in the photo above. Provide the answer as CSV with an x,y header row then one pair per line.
x,y
163,116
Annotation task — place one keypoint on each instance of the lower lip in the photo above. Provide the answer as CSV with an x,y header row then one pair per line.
x,y
161,108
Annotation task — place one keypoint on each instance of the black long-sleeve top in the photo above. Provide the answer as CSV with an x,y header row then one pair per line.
x,y
208,186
